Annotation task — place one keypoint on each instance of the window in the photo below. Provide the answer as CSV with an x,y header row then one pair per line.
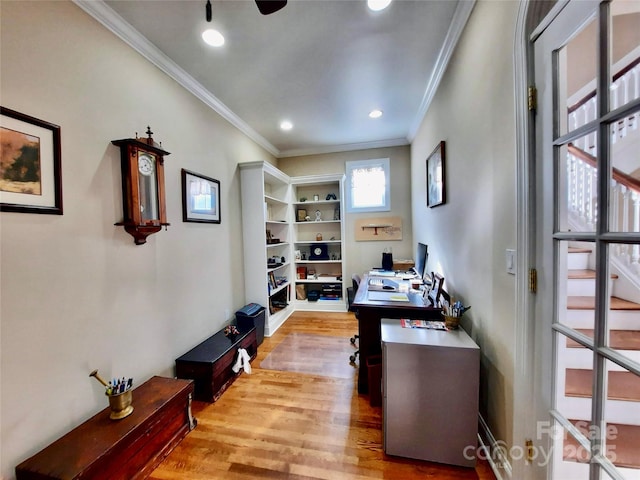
x,y
368,186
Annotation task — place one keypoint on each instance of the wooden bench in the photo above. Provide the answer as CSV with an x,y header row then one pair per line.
x,y
209,363
126,449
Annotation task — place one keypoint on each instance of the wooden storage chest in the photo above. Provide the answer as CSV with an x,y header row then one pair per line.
x,y
209,363
126,449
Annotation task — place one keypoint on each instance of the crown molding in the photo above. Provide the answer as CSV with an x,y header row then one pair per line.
x,y
460,17
347,147
117,25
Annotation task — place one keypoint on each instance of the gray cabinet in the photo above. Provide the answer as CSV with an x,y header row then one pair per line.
x,y
430,393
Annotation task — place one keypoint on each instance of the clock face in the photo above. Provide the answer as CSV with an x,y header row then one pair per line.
x,y
317,251
145,164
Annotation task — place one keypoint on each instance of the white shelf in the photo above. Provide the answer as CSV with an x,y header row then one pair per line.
x,y
286,264
304,262
316,202
273,245
321,305
310,242
274,200
279,289
318,280
319,222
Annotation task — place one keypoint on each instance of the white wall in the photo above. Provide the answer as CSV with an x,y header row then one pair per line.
x,y
77,294
473,111
361,256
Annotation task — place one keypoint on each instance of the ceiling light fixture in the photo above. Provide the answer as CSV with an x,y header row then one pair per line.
x,y
375,113
377,5
286,125
212,36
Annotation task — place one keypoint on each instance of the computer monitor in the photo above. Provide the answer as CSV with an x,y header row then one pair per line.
x,y
421,259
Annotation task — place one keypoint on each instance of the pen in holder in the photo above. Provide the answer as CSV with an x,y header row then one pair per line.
x,y
120,396
452,314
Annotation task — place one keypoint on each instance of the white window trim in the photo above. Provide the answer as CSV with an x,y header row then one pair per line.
x,y
352,165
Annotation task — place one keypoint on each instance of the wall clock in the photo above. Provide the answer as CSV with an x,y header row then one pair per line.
x,y
143,194
319,252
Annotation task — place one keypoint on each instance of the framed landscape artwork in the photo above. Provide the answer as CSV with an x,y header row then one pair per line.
x,y
435,176
30,164
200,198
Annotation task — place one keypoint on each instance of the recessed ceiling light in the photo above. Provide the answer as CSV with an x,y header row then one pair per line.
x,y
286,125
377,5
375,113
213,37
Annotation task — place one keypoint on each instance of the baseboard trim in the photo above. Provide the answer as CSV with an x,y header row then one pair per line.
x,y
495,452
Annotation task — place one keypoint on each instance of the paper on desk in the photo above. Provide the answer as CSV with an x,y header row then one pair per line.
x,y
388,296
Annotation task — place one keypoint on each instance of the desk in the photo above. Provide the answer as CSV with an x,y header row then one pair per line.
x,y
369,314
430,402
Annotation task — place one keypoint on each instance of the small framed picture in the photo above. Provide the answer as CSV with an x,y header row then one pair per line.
x,y
200,198
301,214
435,176
30,164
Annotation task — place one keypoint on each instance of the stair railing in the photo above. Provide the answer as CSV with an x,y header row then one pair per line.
x,y
625,87
625,202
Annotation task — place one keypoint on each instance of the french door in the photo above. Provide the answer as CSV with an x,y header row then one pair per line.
x,y
588,242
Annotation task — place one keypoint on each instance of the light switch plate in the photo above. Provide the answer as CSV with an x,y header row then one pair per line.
x,y
511,261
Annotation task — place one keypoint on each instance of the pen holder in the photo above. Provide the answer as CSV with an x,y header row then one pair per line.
x,y
120,404
451,322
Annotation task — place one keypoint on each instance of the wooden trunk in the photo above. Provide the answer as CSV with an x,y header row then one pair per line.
x,y
126,449
209,363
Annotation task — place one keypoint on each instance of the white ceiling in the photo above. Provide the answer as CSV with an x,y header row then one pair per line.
x,y
322,64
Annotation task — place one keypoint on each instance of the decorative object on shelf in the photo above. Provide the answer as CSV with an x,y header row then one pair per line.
x,y
200,198
319,252
301,214
435,176
274,262
319,237
297,255
31,173
307,218
331,196
231,331
303,199
316,198
301,273
318,216
143,194
301,292
119,393
336,214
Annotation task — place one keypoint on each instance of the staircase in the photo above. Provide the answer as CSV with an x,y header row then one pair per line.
x,y
575,374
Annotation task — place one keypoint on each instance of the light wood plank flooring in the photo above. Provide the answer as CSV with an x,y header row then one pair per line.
x,y
287,425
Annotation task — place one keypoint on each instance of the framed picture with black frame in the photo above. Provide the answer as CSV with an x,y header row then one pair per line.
x,y
200,198
436,194
30,164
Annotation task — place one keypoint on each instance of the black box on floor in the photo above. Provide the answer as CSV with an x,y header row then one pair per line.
x,y
252,315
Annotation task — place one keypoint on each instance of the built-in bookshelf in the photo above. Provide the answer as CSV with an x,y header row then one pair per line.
x,y
277,243
266,226
318,235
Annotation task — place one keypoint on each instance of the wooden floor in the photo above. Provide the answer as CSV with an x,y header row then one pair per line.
x,y
291,425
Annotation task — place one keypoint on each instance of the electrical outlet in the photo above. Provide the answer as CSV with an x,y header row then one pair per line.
x,y
511,261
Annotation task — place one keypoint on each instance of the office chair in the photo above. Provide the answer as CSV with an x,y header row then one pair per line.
x,y
351,293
